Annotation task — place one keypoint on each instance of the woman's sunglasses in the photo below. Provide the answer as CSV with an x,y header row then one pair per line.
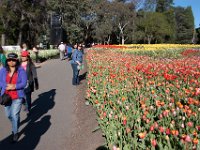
x,y
11,60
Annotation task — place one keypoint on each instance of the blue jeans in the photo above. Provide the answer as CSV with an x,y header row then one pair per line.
x,y
75,79
13,114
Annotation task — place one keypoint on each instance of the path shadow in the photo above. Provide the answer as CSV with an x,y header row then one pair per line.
x,y
82,76
37,124
102,148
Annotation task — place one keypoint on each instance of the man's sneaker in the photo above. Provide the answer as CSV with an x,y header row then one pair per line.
x,y
15,137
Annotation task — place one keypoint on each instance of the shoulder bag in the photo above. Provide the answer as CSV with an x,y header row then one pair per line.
x,y
5,99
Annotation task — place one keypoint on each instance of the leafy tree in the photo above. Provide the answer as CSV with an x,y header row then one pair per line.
x,y
170,18
77,17
153,27
8,21
198,35
22,20
163,5
149,5
123,19
106,21
184,25
103,27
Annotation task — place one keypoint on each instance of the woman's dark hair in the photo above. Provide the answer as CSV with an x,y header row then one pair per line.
x,y
30,60
16,68
1,50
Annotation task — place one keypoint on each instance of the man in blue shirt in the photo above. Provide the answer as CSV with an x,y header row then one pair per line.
x,y
69,51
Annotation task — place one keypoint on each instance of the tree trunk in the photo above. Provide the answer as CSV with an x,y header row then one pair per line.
x,y
3,39
20,32
121,28
123,40
19,41
149,39
108,41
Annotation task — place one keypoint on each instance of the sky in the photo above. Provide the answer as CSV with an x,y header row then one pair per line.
x,y
195,4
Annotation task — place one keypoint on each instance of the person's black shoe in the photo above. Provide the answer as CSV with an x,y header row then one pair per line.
x,y
15,137
28,113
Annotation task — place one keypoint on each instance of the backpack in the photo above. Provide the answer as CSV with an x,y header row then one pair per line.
x,y
2,60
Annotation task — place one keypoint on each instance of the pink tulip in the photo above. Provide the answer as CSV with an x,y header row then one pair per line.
x,y
188,138
160,116
156,125
190,124
198,128
114,147
161,129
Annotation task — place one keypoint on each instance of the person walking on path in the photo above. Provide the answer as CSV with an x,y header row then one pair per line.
x,y
13,80
69,50
24,47
61,49
29,67
36,52
76,62
2,57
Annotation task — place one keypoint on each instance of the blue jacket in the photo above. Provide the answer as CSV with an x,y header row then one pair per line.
x,y
21,81
69,49
77,56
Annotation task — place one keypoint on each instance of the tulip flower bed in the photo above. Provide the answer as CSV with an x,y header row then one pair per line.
x,y
143,102
109,46
190,52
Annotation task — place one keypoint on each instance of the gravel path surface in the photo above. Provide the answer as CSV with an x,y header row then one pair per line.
x,y
59,118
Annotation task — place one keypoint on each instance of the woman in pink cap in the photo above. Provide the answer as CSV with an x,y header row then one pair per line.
x,y
29,67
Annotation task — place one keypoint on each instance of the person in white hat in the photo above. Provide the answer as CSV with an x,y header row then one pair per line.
x,y
61,49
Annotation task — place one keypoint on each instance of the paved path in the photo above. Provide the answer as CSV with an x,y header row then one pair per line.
x,y
49,126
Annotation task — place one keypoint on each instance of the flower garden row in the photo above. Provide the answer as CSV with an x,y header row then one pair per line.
x,y
144,102
153,50
43,54
130,47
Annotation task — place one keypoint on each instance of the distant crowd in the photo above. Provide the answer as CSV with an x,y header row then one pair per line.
x,y
75,56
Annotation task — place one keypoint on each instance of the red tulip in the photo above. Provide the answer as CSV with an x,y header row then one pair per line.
x,y
153,142
168,131
152,128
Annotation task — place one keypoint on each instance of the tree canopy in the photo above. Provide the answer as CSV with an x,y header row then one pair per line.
x,y
102,21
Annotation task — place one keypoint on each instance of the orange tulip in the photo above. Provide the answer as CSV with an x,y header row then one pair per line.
x,y
195,133
123,99
195,141
96,102
142,135
158,103
175,132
